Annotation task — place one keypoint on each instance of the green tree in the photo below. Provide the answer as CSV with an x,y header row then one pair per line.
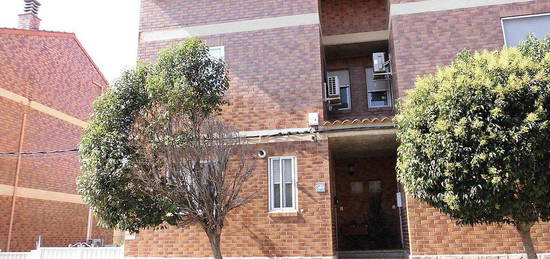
x,y
475,138
154,154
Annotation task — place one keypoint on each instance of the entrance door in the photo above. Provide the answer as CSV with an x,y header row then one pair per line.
x,y
367,215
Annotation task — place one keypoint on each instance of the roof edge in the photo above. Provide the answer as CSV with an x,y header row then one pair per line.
x,y
105,81
68,35
15,31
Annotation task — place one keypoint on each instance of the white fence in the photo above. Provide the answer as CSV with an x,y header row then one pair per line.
x,y
68,253
14,255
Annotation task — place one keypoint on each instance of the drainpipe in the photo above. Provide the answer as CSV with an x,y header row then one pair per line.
x,y
89,226
16,180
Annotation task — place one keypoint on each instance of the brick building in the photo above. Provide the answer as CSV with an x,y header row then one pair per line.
x,y
47,85
323,75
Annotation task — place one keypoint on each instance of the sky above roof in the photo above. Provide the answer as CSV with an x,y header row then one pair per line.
x,y
108,29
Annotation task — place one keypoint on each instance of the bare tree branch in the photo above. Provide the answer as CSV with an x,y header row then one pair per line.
x,y
199,165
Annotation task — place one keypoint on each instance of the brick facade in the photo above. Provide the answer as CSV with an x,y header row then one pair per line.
x,y
421,42
50,69
59,224
276,80
171,13
252,230
432,233
349,16
294,71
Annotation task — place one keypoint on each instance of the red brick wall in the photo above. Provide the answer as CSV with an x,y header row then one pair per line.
x,y
51,69
356,207
351,16
359,98
421,42
431,233
251,230
156,14
10,117
5,209
275,76
45,68
43,132
59,224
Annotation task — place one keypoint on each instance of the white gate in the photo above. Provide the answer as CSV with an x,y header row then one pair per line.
x,y
68,253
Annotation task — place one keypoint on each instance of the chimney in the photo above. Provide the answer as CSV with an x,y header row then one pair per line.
x,y
29,20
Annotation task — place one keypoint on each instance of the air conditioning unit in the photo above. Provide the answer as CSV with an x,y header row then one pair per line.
x,y
332,90
379,62
333,87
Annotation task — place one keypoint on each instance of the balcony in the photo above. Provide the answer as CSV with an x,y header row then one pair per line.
x,y
356,54
358,81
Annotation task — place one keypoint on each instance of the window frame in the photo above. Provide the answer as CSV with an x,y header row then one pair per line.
x,y
502,19
348,98
222,51
388,91
271,200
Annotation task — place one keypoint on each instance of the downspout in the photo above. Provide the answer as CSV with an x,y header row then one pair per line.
x,y
17,171
89,226
399,208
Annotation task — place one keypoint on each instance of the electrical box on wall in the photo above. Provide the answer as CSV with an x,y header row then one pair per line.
x,y
313,119
320,187
399,200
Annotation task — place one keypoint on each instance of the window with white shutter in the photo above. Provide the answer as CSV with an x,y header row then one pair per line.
x,y
282,183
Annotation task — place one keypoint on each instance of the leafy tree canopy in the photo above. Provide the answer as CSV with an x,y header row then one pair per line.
x,y
184,82
475,136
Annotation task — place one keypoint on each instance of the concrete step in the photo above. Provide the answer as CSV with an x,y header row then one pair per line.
x,y
373,254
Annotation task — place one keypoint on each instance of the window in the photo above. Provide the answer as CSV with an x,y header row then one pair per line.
x,y
375,186
516,29
356,187
378,91
217,52
282,184
345,93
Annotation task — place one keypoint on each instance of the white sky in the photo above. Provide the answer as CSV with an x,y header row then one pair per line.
x,y
108,29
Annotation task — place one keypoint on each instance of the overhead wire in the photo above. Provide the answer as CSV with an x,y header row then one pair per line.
x,y
279,134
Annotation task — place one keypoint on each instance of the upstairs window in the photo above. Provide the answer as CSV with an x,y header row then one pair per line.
x,y
217,52
343,83
282,183
516,29
378,91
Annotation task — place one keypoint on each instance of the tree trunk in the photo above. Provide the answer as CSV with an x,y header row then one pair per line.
x,y
215,243
524,230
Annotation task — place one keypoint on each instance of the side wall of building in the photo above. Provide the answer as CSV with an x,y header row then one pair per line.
x,y
49,80
421,42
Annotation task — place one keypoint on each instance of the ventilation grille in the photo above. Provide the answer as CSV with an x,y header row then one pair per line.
x,y
31,6
333,86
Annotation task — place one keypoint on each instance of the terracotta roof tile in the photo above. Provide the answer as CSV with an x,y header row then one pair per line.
x,y
363,121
